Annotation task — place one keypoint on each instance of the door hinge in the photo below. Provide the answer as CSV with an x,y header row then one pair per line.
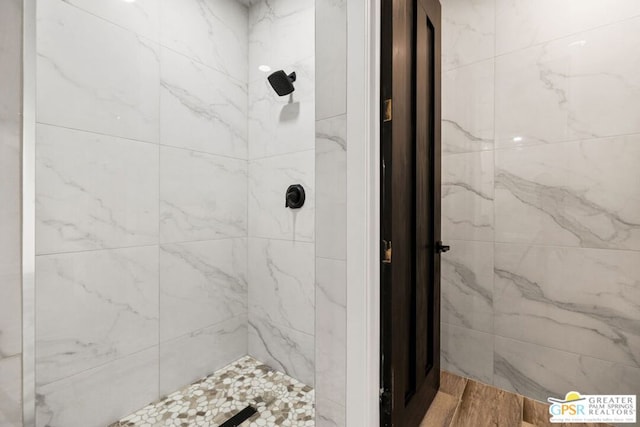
x,y
388,110
387,252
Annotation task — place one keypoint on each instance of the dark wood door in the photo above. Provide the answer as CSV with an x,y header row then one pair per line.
x,y
410,226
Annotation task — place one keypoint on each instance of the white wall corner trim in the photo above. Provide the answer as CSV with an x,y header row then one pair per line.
x,y
363,208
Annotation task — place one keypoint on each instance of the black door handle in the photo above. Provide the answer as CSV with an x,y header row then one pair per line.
x,y
441,248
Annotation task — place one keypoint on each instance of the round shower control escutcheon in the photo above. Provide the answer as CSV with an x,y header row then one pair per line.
x,y
295,197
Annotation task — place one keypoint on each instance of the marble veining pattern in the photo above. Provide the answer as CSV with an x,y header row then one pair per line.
x,y
468,196
467,108
539,289
577,86
468,32
208,109
467,352
198,353
95,76
211,32
286,349
94,307
467,285
94,191
202,196
571,194
201,284
282,273
210,401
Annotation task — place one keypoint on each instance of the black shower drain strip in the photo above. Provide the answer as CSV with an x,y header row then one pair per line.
x,y
240,417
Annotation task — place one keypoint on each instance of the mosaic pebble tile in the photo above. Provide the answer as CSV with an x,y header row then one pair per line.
x,y
210,401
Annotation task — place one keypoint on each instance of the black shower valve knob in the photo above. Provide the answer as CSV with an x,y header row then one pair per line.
x,y
295,197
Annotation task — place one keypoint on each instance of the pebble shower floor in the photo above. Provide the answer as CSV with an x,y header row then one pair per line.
x,y
210,401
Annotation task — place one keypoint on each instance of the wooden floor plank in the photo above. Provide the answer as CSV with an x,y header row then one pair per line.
x,y
486,406
466,403
452,384
441,411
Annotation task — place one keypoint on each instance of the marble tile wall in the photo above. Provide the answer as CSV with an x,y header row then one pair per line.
x,y
331,212
10,213
142,201
541,194
281,152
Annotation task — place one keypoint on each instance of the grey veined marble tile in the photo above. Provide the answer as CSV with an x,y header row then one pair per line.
x,y
93,307
467,285
94,75
541,372
583,193
467,352
94,191
282,348
201,284
202,196
572,88
211,32
202,109
11,391
580,300
468,31
467,108
467,196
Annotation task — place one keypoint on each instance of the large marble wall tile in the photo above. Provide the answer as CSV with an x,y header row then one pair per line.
x,y
571,88
467,108
139,16
580,300
10,254
331,58
541,372
284,349
281,277
467,285
200,353
534,371
100,396
468,31
11,391
268,182
523,23
202,196
571,194
93,307
331,330
331,188
93,75
467,352
282,124
467,196
330,414
11,71
201,109
281,33
94,191
201,284
214,32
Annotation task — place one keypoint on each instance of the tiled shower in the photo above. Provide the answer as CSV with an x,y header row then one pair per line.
x,y
164,249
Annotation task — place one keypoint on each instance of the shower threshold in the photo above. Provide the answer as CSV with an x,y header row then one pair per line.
x,y
221,399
